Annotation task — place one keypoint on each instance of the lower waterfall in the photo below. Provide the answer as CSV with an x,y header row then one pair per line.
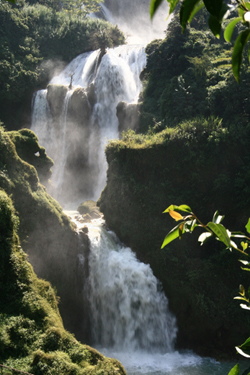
x,y
128,312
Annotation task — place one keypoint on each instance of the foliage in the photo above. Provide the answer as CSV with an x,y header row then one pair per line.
x,y
218,11
32,335
36,42
81,7
188,76
231,240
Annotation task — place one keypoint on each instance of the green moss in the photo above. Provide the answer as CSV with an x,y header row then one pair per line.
x,y
203,164
28,149
32,336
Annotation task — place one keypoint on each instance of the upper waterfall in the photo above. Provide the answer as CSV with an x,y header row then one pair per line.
x,y
76,116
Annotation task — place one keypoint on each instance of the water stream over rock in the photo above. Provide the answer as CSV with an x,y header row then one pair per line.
x,y
73,118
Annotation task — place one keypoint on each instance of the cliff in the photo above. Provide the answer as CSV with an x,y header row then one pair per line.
x,y
201,164
32,334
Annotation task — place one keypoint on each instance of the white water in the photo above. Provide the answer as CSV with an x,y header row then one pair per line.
x,y
115,79
130,317
130,320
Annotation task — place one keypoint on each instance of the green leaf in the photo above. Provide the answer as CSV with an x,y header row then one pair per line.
x,y
220,232
182,207
238,51
235,370
172,235
172,5
241,352
217,218
246,345
214,7
196,9
244,245
242,290
190,225
214,25
186,11
154,4
245,262
204,237
241,298
248,226
230,28
245,307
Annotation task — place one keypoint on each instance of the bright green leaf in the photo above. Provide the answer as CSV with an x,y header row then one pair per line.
x,y
230,28
154,4
172,235
245,345
214,25
248,226
220,232
172,5
244,245
235,370
238,51
187,9
182,207
241,298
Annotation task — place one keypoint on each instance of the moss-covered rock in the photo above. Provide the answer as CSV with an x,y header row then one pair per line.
x,y
32,336
46,233
203,165
89,210
28,148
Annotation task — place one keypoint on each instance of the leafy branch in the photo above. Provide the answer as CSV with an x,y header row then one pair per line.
x,y
218,11
238,241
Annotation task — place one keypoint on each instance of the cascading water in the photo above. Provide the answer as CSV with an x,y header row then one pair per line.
x,y
115,79
128,313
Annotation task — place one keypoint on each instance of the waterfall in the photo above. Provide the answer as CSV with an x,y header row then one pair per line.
x,y
101,85
128,311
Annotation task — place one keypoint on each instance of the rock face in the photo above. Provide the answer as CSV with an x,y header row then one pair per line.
x,y
128,116
200,282
46,233
32,331
55,96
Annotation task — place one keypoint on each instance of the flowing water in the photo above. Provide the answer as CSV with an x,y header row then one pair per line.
x,y
114,79
129,314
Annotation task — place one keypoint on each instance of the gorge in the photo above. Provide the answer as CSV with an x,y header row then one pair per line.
x,y
110,297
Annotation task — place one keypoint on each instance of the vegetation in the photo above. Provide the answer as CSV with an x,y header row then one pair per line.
x,y
205,163
81,7
36,42
32,336
188,76
218,10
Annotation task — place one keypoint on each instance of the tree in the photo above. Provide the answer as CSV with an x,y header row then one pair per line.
x,y
81,7
187,223
219,11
